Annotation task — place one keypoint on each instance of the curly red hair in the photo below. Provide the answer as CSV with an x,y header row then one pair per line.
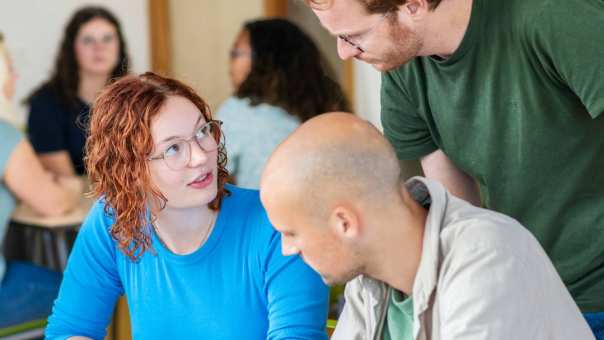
x,y
117,149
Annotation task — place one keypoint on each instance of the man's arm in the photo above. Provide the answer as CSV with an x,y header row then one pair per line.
x,y
410,135
567,39
439,167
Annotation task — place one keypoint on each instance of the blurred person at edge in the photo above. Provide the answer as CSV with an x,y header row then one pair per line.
x,y
26,290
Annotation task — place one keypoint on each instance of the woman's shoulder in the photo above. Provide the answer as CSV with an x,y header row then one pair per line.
x,y
242,200
232,106
44,100
44,94
241,107
244,206
241,119
98,222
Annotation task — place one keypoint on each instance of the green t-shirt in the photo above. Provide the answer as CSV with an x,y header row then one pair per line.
x,y
519,107
399,317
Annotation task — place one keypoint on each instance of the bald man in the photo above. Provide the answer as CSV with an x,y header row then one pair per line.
x,y
421,263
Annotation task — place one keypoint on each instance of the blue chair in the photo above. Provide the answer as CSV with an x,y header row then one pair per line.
x,y
27,294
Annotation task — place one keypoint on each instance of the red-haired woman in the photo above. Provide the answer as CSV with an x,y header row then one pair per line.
x,y
196,258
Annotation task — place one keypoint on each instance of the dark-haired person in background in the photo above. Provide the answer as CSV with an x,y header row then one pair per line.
x,y
280,82
93,52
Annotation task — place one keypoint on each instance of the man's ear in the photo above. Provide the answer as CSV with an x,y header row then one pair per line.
x,y
345,222
415,8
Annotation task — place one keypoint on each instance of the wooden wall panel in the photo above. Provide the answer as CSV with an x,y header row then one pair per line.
x,y
161,47
275,8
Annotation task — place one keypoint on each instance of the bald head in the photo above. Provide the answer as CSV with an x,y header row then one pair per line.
x,y
332,157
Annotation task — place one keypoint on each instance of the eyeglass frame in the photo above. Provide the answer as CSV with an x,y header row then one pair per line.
x,y
162,156
239,53
346,37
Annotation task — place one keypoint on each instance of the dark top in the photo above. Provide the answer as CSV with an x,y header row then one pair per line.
x,y
55,126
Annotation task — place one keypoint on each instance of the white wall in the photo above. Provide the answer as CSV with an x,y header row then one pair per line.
x,y
33,30
367,92
367,102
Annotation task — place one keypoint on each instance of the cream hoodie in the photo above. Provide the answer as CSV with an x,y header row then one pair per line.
x,y
482,276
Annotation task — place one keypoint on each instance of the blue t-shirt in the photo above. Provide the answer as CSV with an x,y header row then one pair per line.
x,y
10,137
238,285
251,134
55,126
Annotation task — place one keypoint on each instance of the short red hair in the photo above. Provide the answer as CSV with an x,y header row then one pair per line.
x,y
117,149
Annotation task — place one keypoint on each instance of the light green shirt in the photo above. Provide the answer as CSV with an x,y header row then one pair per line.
x,y
399,318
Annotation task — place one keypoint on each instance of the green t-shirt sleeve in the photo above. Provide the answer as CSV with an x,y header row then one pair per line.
x,y
569,40
406,130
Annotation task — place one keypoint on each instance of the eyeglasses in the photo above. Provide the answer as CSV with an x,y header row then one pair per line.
x,y
236,53
349,38
89,40
177,154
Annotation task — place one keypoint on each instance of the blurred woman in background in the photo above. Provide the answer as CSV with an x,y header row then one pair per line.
x,y
280,82
92,53
26,291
